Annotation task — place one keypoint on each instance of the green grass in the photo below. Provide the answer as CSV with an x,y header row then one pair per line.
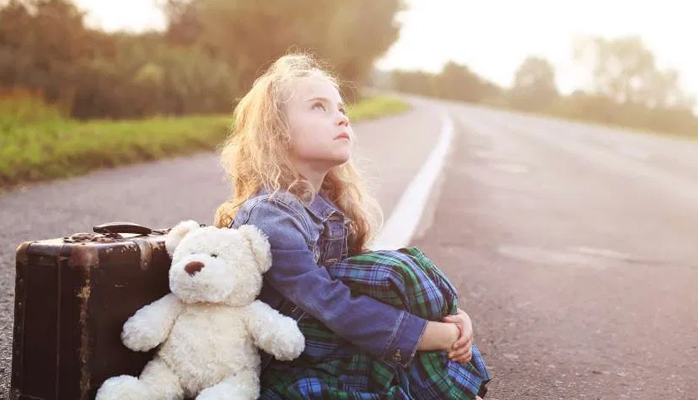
x,y
58,148
375,107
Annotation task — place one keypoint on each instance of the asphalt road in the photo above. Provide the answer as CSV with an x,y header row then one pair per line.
x,y
574,247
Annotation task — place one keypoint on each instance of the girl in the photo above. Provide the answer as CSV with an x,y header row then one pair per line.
x,y
377,324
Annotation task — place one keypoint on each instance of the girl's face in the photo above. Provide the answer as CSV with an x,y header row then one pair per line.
x,y
321,136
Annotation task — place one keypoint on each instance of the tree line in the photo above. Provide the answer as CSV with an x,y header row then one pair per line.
x,y
206,58
627,87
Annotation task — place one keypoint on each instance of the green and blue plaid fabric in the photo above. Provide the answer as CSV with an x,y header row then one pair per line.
x,y
332,368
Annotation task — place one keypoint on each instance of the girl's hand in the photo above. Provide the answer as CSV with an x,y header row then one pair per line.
x,y
461,350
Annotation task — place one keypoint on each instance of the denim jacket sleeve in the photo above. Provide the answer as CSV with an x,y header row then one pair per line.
x,y
377,328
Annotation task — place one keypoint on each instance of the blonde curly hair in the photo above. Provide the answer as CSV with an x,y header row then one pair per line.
x,y
256,154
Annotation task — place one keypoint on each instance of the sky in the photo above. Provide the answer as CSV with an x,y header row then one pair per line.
x,y
493,37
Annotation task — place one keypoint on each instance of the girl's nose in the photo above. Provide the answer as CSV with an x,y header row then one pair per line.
x,y
343,120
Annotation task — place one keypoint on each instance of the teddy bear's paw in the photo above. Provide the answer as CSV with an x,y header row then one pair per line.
x,y
123,387
290,344
136,338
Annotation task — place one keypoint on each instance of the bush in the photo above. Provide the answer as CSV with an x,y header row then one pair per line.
x,y
23,106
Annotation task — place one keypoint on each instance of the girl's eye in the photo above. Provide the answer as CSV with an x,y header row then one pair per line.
x,y
343,111
320,105
214,255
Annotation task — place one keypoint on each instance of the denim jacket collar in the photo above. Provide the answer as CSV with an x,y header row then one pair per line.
x,y
321,207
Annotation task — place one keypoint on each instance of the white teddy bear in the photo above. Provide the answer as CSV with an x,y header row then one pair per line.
x,y
210,326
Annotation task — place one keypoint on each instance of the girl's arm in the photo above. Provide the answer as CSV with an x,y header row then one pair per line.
x,y
438,336
381,330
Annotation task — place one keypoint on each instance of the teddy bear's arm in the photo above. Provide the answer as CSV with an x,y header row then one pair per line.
x,y
273,332
151,325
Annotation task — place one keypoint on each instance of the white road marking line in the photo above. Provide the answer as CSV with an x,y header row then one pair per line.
x,y
402,223
606,253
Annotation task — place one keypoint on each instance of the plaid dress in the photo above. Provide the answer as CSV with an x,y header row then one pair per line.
x,y
333,368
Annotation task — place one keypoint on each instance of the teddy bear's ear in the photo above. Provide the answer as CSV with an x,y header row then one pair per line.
x,y
259,245
176,234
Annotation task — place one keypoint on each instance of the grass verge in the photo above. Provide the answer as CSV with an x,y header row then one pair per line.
x,y
60,148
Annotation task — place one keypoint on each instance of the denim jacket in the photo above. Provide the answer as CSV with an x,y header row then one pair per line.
x,y
304,239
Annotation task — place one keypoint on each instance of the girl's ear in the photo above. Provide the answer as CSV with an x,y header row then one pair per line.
x,y
259,245
176,234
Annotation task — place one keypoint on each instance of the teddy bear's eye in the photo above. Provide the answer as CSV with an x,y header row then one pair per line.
x,y
214,255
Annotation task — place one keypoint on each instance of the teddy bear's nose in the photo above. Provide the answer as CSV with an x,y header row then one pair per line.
x,y
193,267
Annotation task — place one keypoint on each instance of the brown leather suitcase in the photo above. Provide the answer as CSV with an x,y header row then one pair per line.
x,y
72,297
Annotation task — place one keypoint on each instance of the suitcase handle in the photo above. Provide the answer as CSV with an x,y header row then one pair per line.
x,y
123,227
